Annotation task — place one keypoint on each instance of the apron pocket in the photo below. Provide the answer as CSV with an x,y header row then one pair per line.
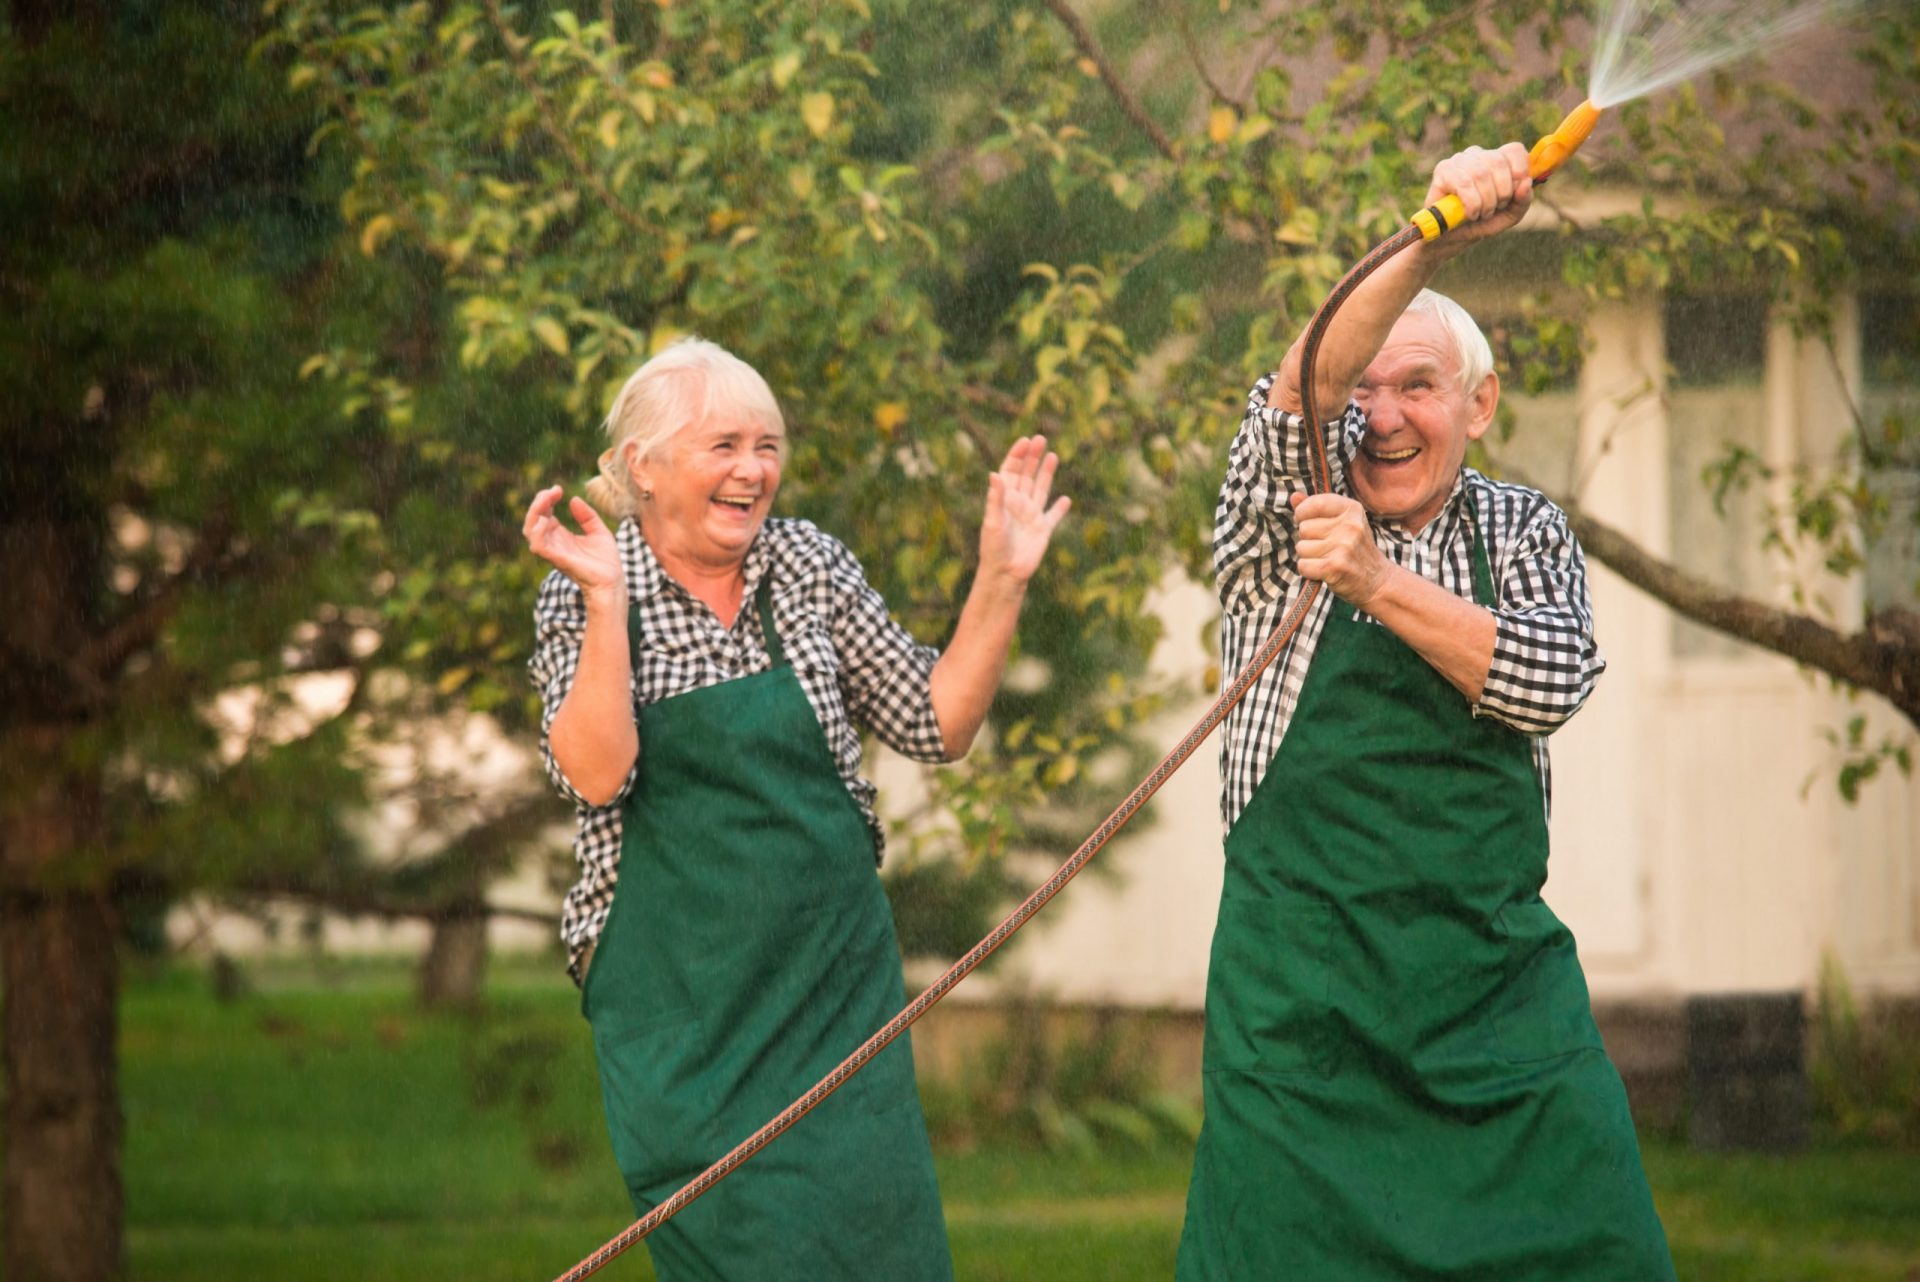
x,y
1542,1011
660,1113
1267,993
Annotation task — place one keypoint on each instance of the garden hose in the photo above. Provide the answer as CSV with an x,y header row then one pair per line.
x,y
1444,215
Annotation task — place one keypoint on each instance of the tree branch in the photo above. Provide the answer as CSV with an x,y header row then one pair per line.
x,y
139,630
515,43
1883,657
1199,63
354,902
1090,50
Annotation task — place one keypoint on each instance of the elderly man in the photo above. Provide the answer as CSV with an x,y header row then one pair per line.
x,y
1403,1078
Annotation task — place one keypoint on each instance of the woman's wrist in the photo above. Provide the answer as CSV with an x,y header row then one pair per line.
x,y
608,599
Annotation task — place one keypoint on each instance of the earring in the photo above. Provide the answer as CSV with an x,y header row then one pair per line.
x,y
646,494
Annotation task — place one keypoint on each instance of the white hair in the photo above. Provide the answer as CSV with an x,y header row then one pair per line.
x,y
685,385
1470,346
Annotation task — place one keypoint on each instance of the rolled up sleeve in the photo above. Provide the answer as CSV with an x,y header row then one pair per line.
x,y
886,676
1545,659
560,626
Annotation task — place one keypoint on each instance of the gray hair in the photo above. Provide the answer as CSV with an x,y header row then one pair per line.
x,y
685,385
1470,346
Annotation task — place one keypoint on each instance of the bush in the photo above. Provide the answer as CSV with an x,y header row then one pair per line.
x,y
1082,1082
1864,1067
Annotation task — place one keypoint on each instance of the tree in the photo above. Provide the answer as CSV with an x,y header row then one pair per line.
x,y
169,265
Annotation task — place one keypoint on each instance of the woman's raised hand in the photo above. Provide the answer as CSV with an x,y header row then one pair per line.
x,y
1018,522
590,558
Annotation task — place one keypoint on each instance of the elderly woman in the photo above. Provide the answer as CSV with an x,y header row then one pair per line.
x,y
704,668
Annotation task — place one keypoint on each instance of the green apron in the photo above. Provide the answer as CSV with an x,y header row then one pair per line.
x,y
1402,1075
749,950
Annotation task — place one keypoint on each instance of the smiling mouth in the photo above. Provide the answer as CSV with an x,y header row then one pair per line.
x,y
737,503
1393,456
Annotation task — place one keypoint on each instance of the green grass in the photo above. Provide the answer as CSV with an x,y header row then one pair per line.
x,y
327,1130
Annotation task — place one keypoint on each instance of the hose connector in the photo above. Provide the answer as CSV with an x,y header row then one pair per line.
x,y
1547,155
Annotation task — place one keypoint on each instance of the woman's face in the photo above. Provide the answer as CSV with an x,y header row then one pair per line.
x,y
713,486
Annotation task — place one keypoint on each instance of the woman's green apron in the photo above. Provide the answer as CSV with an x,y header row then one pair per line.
x,y
749,949
1403,1077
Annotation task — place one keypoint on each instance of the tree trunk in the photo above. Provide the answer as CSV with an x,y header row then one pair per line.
x,y
453,974
62,1190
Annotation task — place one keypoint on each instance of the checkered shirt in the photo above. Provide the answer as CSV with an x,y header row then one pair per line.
x,y
1545,661
854,662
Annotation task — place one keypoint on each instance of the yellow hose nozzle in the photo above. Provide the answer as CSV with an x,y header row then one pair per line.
x,y
1547,155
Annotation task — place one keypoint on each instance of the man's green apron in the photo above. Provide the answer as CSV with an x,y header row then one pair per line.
x,y
1403,1077
750,949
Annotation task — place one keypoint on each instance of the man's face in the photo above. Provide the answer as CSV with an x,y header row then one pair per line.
x,y
1418,423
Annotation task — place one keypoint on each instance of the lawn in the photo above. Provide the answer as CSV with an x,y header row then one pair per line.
x,y
316,1130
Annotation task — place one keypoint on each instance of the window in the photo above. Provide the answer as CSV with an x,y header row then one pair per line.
x,y
1890,410
1716,430
1535,438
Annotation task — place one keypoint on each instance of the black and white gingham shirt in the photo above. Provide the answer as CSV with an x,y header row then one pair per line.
x,y
1545,661
852,660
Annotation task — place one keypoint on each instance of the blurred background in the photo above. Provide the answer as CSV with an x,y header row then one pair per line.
x,y
301,301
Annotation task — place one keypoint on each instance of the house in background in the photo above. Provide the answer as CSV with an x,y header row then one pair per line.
x,y
1701,845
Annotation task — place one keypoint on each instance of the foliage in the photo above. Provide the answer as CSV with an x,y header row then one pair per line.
x,y
1864,1065
165,271
1069,1081
934,225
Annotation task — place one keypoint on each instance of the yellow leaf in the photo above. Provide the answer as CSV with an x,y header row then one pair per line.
x,y
1088,68
552,333
644,103
889,416
800,182
303,74
1099,389
1221,122
452,679
374,233
816,109
1301,228
609,129
784,68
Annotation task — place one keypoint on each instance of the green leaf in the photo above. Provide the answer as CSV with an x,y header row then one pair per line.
x,y
551,333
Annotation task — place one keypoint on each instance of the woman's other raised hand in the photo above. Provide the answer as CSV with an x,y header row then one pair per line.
x,y
590,558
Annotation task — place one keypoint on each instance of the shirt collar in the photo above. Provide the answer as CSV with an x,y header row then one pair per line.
x,y
647,578
1445,523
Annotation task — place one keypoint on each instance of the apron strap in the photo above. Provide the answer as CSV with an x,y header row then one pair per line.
x,y
1482,569
769,634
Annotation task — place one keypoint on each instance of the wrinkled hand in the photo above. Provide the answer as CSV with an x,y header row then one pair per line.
x,y
1494,187
590,558
1335,546
1018,524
